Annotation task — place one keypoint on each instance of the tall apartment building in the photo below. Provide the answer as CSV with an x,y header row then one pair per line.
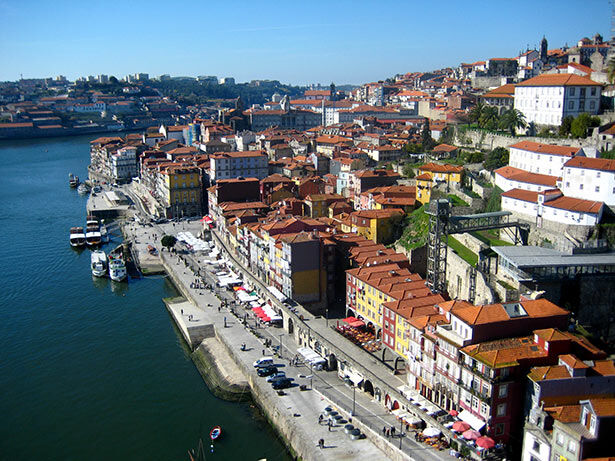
x,y
247,164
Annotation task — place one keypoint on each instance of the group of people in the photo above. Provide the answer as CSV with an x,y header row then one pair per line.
x,y
388,431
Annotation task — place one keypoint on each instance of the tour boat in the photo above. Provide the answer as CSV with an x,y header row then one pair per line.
x,y
73,181
92,231
104,233
77,237
215,433
117,266
99,263
82,189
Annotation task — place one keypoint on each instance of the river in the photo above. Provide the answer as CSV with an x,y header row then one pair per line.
x,y
90,369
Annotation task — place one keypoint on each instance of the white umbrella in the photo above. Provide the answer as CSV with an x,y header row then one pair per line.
x,y
431,432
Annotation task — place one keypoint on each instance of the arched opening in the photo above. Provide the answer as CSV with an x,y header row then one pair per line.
x,y
397,360
350,313
368,387
291,327
332,362
378,394
379,333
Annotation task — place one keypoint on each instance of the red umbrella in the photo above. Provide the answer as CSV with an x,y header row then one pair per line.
x,y
471,434
485,442
461,426
453,413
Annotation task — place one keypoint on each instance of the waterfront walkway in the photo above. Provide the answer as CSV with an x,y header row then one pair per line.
x,y
369,415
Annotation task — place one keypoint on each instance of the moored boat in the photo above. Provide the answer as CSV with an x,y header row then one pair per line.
x,y
99,263
104,233
82,189
117,266
215,433
93,236
77,237
73,180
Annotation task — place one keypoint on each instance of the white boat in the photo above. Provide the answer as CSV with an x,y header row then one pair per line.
x,y
104,234
73,181
117,266
77,237
99,263
82,189
93,236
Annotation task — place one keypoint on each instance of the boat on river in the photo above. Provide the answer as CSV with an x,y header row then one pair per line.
x,y
215,433
93,236
73,181
117,265
77,237
82,189
99,263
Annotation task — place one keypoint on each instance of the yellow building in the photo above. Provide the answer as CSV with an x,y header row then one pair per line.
x,y
376,225
442,173
424,182
179,189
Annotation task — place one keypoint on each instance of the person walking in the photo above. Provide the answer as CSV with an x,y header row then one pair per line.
x,y
384,431
392,431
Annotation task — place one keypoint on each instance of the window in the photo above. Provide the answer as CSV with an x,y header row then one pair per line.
x,y
559,439
572,91
536,446
597,188
592,104
593,91
580,186
501,409
572,446
571,105
503,391
499,429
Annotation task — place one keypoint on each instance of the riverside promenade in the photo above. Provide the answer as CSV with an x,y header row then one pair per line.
x,y
295,414
369,416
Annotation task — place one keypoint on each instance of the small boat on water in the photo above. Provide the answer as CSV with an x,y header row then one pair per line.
x,y
117,266
99,263
73,181
93,236
82,189
77,237
215,433
104,233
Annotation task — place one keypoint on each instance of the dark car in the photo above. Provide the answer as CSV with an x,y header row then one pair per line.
x,y
266,371
281,383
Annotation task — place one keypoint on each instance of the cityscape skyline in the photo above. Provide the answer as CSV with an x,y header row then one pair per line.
x,y
283,43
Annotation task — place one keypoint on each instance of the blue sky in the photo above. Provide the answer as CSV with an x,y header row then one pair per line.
x,y
291,41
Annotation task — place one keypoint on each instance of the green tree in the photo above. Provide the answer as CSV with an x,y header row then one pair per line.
x,y
497,158
413,148
426,139
581,124
168,241
476,112
489,118
511,120
408,171
531,129
566,126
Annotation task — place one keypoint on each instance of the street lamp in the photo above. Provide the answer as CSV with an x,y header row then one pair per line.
x,y
281,345
354,389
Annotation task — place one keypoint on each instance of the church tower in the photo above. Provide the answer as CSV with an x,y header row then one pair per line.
x,y
544,47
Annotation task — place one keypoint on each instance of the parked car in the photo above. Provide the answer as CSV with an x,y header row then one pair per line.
x,y
263,362
282,383
278,375
266,371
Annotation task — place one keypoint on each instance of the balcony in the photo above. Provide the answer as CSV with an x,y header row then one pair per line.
x,y
485,397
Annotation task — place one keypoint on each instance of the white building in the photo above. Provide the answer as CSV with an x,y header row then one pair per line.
x,y
552,206
548,98
508,177
124,163
540,158
247,164
589,179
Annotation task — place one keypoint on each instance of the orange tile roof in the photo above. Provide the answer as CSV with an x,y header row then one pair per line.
x,y
438,168
559,80
603,407
505,352
565,413
516,174
522,194
444,148
575,204
573,362
602,164
546,148
505,91
548,372
492,313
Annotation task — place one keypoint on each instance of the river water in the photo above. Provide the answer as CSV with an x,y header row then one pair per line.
x,y
90,369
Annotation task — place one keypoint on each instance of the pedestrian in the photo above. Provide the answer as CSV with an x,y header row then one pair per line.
x,y
218,308
329,425
384,431
320,419
182,312
392,432
388,432
263,352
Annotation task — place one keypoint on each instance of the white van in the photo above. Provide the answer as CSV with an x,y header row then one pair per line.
x,y
263,362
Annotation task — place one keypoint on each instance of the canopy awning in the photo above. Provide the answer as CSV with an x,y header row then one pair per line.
x,y
277,294
474,421
356,378
354,322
